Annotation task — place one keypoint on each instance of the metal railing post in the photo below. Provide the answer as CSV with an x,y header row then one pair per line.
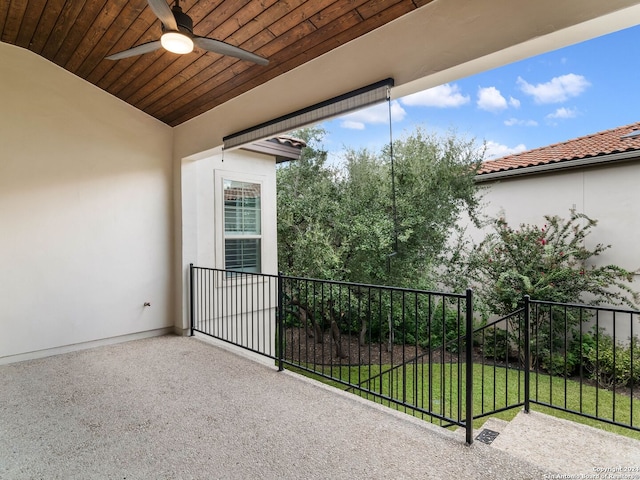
x,y
469,367
280,321
191,300
527,353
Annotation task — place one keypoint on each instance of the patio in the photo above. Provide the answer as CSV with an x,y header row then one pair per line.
x,y
173,407
176,407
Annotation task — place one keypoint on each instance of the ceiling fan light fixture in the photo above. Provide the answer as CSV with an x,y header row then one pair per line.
x,y
178,37
176,42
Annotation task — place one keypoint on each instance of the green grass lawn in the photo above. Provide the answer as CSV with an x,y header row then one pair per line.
x,y
435,388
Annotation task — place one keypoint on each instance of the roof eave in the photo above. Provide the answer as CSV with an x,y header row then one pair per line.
x,y
281,152
560,165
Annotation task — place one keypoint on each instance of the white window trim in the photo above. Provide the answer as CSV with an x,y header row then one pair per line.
x,y
218,194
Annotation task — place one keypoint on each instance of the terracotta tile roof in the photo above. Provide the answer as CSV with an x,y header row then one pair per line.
x,y
597,144
289,140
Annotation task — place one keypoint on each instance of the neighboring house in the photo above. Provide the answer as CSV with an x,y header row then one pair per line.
x,y
596,175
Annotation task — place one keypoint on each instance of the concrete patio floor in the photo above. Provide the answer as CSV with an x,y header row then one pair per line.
x,y
179,408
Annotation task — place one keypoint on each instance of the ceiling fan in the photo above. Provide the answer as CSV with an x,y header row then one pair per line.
x,y
177,37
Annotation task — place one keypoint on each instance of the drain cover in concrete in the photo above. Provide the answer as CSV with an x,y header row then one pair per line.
x,y
487,436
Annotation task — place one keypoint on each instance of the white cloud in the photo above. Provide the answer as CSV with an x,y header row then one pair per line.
x,y
558,89
514,102
495,150
491,100
564,113
520,122
442,96
352,125
376,114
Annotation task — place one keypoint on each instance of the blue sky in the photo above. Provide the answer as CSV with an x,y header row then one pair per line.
x,y
550,98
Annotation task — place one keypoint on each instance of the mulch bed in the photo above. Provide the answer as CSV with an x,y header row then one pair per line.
x,y
301,348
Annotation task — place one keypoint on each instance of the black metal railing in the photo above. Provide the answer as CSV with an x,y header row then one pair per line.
x,y
401,347
580,359
585,360
239,308
501,352
418,350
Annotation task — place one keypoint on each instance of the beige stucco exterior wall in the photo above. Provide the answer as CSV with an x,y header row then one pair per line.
x,y
607,194
86,227
92,191
87,220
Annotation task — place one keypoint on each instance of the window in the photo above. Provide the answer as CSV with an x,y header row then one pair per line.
x,y
242,226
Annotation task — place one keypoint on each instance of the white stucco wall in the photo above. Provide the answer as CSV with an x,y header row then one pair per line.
x,y
201,235
608,194
85,212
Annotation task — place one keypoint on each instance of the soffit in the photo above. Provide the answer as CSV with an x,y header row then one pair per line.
x,y
403,39
77,35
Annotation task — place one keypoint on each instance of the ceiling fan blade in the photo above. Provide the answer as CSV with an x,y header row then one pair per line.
x,y
225,49
164,13
139,50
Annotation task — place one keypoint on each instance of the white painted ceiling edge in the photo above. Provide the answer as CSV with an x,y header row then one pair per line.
x,y
444,46
586,30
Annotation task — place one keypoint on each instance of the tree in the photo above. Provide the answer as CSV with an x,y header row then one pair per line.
x,y
346,224
435,184
343,224
551,263
307,204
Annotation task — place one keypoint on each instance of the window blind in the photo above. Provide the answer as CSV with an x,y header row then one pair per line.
x,y
242,255
348,102
242,226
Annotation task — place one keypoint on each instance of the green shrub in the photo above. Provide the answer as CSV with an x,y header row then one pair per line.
x,y
496,344
613,364
562,365
446,326
550,263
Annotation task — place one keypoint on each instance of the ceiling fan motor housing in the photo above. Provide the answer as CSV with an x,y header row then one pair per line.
x,y
185,24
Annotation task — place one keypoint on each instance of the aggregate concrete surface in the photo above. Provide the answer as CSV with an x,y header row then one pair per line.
x,y
178,408
570,448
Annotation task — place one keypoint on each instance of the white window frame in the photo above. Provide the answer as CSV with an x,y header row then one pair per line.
x,y
219,208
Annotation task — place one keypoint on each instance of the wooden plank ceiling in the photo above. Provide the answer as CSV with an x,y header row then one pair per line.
x,y
77,35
